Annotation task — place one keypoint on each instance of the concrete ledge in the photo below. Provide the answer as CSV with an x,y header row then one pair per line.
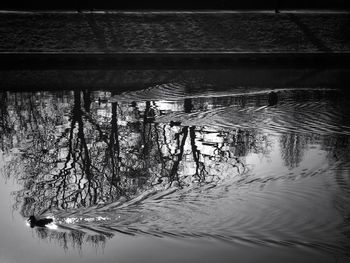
x,y
149,60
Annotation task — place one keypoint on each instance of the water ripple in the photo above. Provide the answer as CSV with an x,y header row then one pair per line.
x,y
308,117
249,213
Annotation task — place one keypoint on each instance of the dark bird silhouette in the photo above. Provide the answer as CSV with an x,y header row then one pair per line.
x,y
273,98
39,222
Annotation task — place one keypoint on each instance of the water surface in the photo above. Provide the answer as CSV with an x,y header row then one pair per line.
x,y
176,172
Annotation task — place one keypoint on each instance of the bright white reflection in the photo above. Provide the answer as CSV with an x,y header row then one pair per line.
x,y
52,226
72,220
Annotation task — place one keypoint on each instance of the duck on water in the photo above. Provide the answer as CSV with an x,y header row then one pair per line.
x,y
42,222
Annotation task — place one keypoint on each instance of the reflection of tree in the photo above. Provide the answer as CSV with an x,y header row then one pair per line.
x,y
78,155
72,239
201,172
105,151
87,100
113,152
5,127
79,151
64,172
293,146
147,140
337,147
180,142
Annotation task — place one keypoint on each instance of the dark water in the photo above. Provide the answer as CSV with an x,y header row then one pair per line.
x,y
176,172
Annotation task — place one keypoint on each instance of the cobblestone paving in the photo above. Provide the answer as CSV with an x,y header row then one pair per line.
x,y
142,32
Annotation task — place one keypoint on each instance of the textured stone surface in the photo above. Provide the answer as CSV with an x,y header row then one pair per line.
x,y
142,32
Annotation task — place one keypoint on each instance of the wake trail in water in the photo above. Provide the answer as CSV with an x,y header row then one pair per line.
x,y
306,117
247,170
180,91
251,210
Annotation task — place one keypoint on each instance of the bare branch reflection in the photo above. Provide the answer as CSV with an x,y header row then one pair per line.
x,y
78,151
